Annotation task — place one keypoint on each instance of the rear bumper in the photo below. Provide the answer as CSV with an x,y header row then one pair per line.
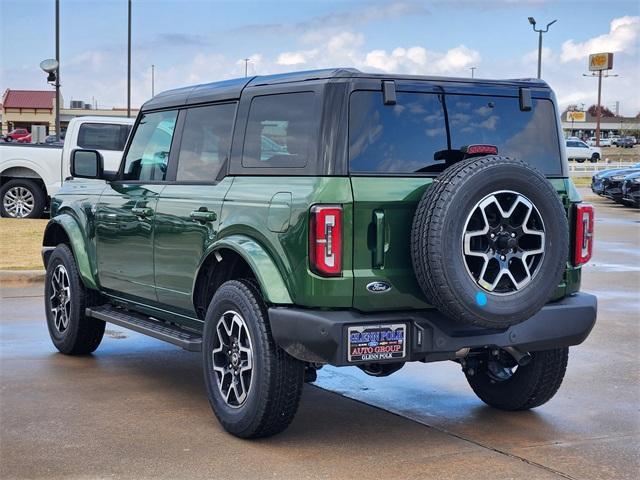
x,y
321,336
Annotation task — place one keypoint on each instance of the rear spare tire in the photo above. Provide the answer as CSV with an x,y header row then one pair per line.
x,y
490,241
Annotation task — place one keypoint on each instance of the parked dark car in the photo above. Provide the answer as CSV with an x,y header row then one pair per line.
x,y
612,184
631,189
598,180
625,142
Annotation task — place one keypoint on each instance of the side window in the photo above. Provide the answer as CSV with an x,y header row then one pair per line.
x,y
103,136
206,140
281,131
148,153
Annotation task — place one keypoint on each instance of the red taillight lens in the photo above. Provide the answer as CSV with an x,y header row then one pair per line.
x,y
325,240
584,234
480,150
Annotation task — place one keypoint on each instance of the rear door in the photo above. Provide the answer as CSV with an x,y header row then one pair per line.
x,y
188,212
392,161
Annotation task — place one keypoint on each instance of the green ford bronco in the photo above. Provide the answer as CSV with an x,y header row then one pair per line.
x,y
280,223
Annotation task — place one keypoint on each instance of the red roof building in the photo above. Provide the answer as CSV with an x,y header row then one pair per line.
x,y
29,99
24,108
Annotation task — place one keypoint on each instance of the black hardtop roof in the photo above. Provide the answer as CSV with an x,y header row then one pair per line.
x,y
232,89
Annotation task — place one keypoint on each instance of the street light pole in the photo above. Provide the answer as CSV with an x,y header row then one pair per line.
x,y
540,31
246,66
472,71
153,80
129,61
58,70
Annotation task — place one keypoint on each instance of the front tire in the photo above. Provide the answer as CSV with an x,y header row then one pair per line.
x,y
524,387
65,298
253,385
21,198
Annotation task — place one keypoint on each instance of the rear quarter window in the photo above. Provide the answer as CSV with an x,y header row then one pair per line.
x,y
281,131
404,138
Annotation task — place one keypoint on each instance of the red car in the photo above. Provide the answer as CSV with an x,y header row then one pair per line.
x,y
16,134
25,139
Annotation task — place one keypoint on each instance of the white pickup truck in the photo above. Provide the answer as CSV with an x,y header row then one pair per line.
x,y
31,174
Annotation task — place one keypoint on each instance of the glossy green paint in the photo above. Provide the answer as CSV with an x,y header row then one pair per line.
x,y
383,215
72,209
181,243
124,239
263,219
248,210
271,283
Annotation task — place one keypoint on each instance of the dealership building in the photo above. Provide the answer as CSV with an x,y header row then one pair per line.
x,y
24,108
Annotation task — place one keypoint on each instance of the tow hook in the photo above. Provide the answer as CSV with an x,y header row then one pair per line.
x,y
522,358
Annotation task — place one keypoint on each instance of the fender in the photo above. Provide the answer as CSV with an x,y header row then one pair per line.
x,y
269,277
78,247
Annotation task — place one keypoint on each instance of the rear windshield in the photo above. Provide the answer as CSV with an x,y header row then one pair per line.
x,y
411,136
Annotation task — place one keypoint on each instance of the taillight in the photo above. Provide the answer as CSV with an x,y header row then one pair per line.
x,y
325,240
584,234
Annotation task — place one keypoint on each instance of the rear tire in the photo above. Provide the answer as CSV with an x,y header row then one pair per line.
x,y
65,298
238,347
594,158
529,386
21,198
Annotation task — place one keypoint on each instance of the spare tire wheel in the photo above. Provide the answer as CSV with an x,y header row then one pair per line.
x,y
490,241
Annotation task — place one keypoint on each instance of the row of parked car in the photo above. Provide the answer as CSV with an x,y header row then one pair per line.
x,y
620,185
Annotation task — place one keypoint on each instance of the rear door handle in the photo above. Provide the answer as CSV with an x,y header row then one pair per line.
x,y
142,212
378,254
203,216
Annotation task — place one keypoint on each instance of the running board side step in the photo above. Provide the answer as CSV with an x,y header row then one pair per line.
x,y
150,326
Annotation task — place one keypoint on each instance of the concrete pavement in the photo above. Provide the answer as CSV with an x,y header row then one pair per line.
x,y
137,407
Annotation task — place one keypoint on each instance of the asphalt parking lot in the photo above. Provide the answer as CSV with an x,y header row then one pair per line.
x,y
137,408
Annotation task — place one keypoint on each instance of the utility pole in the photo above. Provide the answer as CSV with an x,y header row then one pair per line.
x,y
540,31
129,62
58,70
153,88
246,66
472,71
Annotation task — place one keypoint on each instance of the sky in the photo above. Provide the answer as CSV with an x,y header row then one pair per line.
x,y
192,42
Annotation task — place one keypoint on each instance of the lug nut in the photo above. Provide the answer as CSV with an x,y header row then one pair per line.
x,y
492,235
502,257
513,234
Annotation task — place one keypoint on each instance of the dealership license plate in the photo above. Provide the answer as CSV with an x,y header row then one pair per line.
x,y
374,343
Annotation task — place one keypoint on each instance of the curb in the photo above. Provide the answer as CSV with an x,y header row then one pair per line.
x,y
20,277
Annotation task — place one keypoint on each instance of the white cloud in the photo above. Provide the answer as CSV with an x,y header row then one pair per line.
x,y
622,37
291,58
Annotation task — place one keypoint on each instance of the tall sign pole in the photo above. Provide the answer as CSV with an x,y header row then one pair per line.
x,y
58,70
599,109
129,62
599,62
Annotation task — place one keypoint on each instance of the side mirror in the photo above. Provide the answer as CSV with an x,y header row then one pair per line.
x,y
87,164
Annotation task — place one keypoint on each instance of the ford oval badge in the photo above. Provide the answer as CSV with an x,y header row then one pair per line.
x,y
378,287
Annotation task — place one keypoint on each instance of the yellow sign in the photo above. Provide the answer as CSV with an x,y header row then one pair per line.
x,y
576,117
600,61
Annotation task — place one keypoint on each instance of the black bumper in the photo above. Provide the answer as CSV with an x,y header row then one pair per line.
x,y
321,336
